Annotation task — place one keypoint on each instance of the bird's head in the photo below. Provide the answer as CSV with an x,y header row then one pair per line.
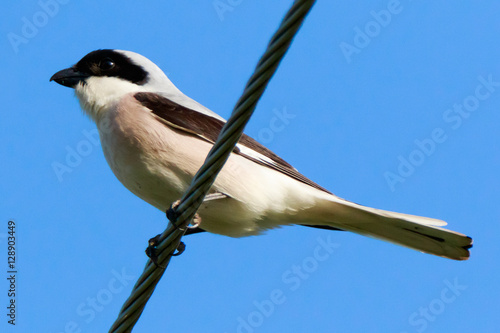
x,y
103,77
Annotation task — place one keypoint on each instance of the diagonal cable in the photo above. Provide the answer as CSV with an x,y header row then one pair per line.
x,y
170,239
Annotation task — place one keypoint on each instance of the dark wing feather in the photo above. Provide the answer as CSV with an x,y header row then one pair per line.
x,y
208,128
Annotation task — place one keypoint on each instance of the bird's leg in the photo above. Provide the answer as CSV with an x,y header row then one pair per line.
x,y
152,249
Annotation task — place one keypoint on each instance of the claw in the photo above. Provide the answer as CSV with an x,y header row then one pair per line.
x,y
171,214
195,223
180,249
151,250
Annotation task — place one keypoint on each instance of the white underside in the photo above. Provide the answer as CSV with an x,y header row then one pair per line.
x,y
157,164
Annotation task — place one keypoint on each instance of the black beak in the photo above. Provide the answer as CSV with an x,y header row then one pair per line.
x,y
69,77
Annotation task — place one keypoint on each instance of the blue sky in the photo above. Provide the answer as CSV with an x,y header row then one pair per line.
x,y
391,104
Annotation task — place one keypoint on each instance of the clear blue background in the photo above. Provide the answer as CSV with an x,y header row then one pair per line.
x,y
353,120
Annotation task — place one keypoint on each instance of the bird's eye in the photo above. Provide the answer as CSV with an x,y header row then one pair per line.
x,y
106,64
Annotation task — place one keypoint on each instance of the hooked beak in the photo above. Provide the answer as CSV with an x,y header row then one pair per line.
x,y
69,77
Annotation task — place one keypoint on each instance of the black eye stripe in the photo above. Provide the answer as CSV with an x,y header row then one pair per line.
x,y
114,64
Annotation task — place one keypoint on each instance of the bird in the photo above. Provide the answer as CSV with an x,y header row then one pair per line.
x,y
155,138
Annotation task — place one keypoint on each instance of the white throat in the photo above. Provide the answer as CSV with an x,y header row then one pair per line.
x,y
99,94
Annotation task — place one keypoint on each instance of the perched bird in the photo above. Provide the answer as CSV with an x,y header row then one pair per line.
x,y
155,139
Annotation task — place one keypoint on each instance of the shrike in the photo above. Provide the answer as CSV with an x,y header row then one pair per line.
x,y
155,138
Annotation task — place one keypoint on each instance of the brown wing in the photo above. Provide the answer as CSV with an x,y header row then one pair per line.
x,y
208,128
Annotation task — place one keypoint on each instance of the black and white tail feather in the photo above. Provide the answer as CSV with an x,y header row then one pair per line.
x,y
415,232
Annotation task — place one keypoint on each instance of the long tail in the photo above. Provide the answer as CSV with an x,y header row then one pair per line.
x,y
415,232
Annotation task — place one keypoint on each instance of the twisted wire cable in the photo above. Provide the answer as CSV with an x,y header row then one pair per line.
x,y
184,212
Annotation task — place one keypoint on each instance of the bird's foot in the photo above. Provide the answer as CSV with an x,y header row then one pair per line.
x,y
172,217
172,214
152,250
